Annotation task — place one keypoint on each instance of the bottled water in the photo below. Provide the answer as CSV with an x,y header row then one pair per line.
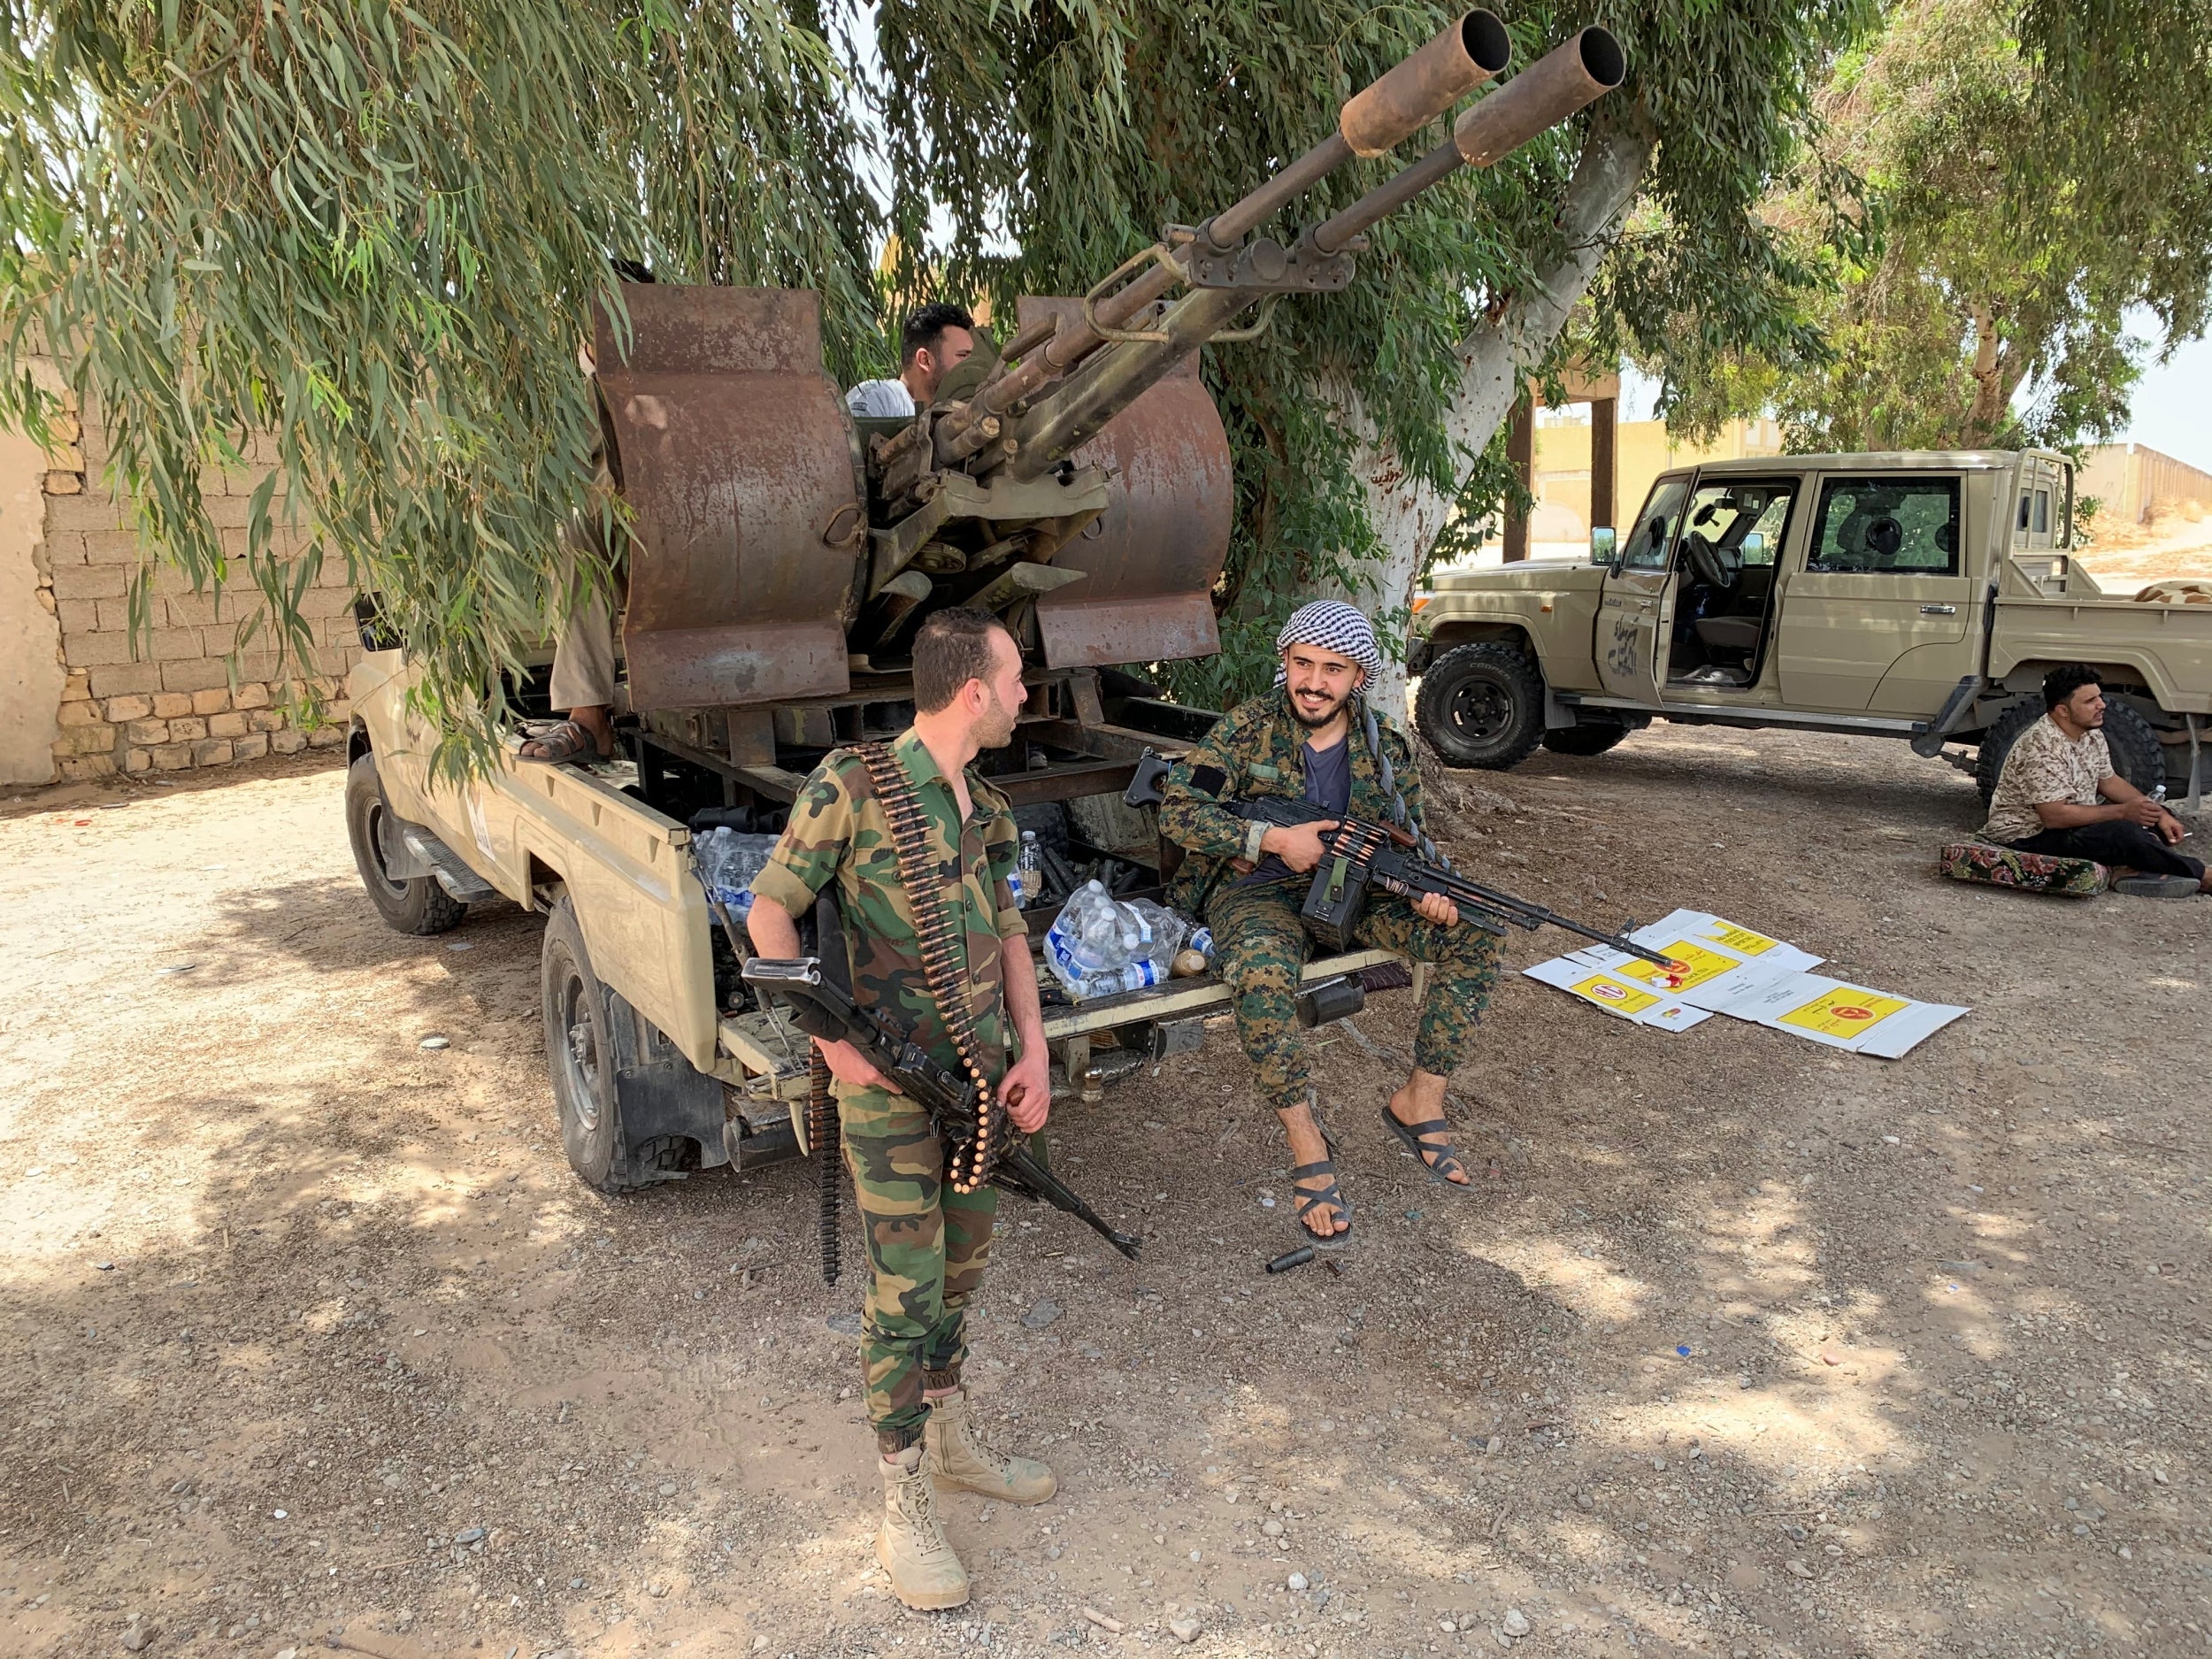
x,y
1031,870
727,860
1100,946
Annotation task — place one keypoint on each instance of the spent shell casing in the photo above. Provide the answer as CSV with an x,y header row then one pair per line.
x,y
1298,1257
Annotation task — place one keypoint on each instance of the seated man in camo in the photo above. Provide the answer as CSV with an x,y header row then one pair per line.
x,y
2058,792
1313,738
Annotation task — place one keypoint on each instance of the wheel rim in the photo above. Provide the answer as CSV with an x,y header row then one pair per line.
x,y
379,836
579,1053
1480,710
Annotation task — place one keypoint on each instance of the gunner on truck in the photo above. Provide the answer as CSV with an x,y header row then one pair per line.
x,y
2059,793
936,340
1313,738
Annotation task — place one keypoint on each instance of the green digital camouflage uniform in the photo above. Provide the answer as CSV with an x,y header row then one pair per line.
x,y
1258,749
926,1243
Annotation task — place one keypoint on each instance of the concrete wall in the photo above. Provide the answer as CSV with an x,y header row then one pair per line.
x,y
2135,483
1642,450
31,672
180,694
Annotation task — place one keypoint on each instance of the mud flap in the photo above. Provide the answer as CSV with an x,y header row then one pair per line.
x,y
671,1112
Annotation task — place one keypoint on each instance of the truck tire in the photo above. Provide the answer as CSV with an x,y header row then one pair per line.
x,y
409,904
579,1056
2135,755
1482,705
1588,735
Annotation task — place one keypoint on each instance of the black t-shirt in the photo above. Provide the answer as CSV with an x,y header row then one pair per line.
x,y
1328,786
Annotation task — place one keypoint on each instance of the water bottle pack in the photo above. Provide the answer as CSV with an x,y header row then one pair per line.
x,y
727,860
1101,946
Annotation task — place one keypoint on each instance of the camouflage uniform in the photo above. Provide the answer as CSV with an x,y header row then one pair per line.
x,y
926,1244
1258,750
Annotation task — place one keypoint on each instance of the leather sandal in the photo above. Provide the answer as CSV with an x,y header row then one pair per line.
x,y
1440,1159
563,743
1305,1199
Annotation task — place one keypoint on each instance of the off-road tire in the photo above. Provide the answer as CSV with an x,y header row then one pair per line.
x,y
409,904
2135,755
1586,737
1482,705
579,1056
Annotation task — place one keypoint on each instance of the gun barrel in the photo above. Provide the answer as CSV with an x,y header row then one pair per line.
x,y
1106,381
1563,80
1404,99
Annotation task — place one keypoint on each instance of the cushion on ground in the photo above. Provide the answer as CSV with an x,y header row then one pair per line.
x,y
1998,866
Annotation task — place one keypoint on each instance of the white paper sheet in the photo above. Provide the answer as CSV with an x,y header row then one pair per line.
x,y
1730,968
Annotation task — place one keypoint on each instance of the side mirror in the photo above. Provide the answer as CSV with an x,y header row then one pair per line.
x,y
1753,546
1604,546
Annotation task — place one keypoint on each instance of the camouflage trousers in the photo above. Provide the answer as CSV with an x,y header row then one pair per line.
x,y
1261,945
927,1246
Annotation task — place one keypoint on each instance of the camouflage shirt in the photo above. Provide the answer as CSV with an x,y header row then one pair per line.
x,y
1258,749
838,831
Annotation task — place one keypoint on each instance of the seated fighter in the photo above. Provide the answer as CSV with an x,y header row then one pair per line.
x,y
1314,739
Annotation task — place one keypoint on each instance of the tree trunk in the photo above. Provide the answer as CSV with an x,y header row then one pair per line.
x,y
1406,513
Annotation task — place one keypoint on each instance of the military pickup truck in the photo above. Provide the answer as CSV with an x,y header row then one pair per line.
x,y
1916,595
783,554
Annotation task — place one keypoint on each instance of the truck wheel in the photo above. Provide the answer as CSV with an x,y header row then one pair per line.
x,y
409,904
1587,736
1482,705
2135,755
579,1055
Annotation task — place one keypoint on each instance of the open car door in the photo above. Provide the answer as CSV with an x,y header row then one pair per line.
x,y
1636,611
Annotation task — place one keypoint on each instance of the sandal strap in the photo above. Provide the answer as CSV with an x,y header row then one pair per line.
x,y
1418,1130
1330,1195
1319,1166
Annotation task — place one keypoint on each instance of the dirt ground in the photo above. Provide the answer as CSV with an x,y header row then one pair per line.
x,y
2124,556
1742,1347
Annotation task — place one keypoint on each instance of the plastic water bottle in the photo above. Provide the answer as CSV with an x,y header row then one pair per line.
x,y
1099,945
727,860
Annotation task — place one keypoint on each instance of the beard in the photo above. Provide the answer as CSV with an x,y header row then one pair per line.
x,y
994,726
1314,722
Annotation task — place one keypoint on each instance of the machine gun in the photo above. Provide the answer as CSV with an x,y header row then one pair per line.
x,y
822,1008
1358,857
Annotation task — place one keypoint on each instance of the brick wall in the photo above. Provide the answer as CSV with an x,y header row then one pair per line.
x,y
183,696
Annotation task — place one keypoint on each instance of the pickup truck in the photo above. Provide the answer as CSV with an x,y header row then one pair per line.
x,y
661,1064
1917,595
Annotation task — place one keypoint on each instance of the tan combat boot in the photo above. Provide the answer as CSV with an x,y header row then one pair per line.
x,y
958,1457
924,1573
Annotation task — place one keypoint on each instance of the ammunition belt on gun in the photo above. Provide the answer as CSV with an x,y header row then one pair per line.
x,y
967,1167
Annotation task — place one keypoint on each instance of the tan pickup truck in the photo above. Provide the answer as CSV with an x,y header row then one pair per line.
x,y
660,1063
1915,594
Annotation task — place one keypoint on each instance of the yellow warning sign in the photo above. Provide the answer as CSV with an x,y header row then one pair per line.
x,y
1739,938
1844,1012
1694,966
1612,993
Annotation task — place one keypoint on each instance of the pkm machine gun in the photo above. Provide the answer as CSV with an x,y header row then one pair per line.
x,y
1358,857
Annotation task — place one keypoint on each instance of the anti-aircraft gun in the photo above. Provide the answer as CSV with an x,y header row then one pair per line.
x,y
1075,481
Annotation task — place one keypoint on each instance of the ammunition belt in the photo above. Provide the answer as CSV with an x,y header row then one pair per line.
x,y
972,1155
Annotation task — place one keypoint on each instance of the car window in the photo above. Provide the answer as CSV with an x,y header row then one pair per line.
x,y
1646,546
1908,526
1726,516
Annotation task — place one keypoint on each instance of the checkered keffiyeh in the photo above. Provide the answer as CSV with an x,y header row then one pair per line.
x,y
1334,626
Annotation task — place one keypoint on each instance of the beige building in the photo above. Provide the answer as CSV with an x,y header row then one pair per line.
x,y
81,694
2135,483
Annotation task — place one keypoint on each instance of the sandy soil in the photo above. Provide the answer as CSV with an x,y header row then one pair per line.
x,y
1742,1348
2124,557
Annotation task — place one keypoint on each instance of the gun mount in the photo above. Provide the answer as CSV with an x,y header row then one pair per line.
x,y
1078,483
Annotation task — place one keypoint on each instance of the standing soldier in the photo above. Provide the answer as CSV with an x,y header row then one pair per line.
x,y
1313,738
927,1243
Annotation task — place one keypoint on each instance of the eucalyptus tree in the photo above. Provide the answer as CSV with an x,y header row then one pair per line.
x,y
1069,131
2035,178
374,233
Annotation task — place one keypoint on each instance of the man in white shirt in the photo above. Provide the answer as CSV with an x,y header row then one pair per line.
x,y
935,339
2059,793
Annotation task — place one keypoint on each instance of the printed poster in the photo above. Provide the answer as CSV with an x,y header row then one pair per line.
x,y
1722,967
